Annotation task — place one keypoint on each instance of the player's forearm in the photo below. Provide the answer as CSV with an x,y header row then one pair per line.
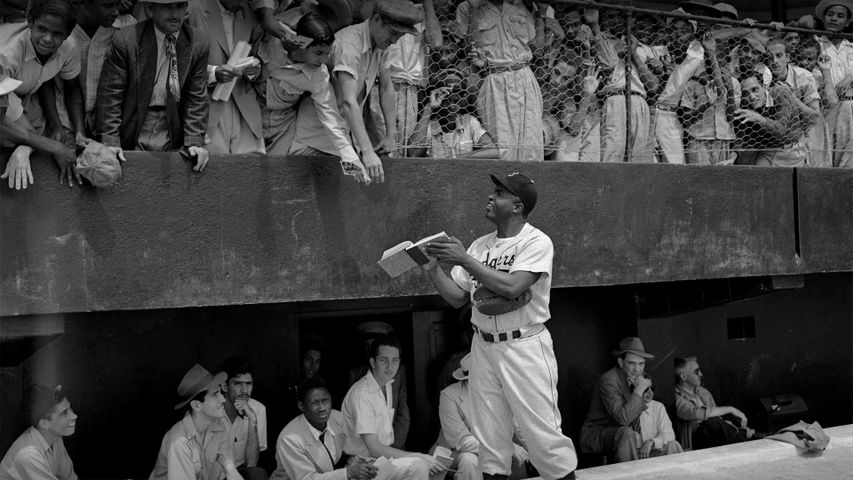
x,y
447,287
502,283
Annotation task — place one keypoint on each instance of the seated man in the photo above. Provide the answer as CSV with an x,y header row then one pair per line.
x,y
39,452
367,412
152,94
245,417
454,412
613,420
700,421
199,446
656,435
312,444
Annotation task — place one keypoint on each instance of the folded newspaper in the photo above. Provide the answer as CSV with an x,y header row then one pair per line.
x,y
407,255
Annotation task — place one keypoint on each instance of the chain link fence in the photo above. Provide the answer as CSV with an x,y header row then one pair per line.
x,y
548,80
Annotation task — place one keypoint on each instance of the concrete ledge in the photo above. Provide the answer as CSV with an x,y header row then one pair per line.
x,y
756,460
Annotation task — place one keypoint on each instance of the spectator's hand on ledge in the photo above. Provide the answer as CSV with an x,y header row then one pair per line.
x,y
201,156
225,73
374,166
387,146
66,160
18,169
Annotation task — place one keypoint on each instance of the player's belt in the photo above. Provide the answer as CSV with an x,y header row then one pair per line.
x,y
504,336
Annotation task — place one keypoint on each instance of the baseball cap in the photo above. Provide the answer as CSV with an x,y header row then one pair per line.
x,y
403,15
519,185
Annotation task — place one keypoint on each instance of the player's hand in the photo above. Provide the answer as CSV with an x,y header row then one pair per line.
x,y
374,166
434,465
225,73
18,169
361,469
641,384
244,409
519,454
449,251
201,157
646,449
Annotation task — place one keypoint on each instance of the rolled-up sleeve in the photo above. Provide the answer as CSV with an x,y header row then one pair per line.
x,y
326,106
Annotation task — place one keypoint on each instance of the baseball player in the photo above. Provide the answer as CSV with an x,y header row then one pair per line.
x,y
507,277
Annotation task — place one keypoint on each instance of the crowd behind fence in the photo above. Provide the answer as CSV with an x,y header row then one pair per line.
x,y
558,80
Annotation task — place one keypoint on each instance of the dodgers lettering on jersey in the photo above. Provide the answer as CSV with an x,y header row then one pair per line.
x,y
531,251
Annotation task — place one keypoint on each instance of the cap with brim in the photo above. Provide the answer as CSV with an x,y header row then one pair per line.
x,y
700,7
823,6
461,373
374,327
727,10
8,84
519,185
401,15
632,345
198,380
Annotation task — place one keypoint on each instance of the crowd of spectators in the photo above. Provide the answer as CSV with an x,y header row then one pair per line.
x,y
364,79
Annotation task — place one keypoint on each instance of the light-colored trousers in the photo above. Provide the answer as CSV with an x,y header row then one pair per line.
x,y
409,468
510,108
229,133
840,120
516,381
669,136
613,133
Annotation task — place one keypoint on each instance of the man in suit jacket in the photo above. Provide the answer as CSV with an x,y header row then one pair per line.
x,y
311,445
612,424
236,125
141,105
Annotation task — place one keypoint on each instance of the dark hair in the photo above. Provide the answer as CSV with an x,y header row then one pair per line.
x,y
64,9
384,340
315,27
307,385
809,42
39,401
236,366
775,41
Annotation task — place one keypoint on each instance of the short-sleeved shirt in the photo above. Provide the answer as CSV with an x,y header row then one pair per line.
x,y
31,458
503,33
693,403
19,59
405,58
840,58
353,53
185,454
530,251
367,410
803,84
239,431
458,142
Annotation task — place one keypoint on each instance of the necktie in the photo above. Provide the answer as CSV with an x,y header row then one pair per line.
x,y
173,84
323,441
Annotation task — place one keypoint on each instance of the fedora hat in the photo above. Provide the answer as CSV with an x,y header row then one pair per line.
x,y
198,380
823,6
632,345
461,373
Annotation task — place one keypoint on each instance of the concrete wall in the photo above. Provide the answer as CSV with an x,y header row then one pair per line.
x,y
801,346
265,230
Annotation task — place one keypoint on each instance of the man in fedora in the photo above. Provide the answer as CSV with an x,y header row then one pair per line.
x,y
454,413
199,446
612,424
506,276
152,94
